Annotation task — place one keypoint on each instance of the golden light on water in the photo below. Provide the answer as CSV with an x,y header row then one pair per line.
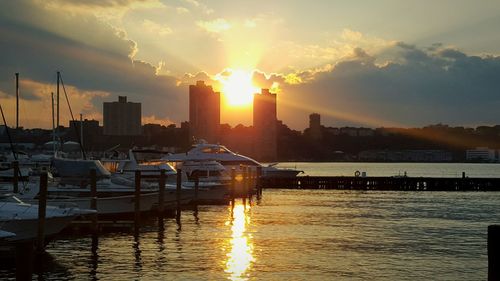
x,y
240,257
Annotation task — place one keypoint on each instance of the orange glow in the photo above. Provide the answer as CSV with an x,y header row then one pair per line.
x,y
237,88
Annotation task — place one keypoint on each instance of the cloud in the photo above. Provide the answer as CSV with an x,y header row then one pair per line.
x,y
96,3
214,26
196,4
181,10
35,104
99,65
153,119
414,87
155,28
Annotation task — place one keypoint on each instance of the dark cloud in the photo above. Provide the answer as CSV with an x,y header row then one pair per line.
x,y
95,3
104,66
419,86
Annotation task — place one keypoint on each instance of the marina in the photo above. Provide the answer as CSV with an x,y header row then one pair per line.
x,y
239,238
249,140
314,234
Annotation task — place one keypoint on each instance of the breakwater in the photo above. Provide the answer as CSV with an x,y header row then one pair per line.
x,y
384,183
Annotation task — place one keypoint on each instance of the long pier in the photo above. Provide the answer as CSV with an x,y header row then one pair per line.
x,y
384,183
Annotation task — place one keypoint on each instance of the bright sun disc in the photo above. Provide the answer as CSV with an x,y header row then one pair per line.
x,y
238,88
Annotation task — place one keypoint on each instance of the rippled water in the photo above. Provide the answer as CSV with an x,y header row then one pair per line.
x,y
297,235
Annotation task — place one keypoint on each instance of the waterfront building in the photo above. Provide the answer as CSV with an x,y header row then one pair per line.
x,y
480,154
315,126
410,155
204,112
122,118
265,126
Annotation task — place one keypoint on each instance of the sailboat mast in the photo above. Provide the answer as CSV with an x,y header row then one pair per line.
x,y
81,131
53,127
17,100
57,93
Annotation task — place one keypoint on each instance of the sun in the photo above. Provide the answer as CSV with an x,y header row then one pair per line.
x,y
237,87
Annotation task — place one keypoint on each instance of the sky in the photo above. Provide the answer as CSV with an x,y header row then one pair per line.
x,y
357,63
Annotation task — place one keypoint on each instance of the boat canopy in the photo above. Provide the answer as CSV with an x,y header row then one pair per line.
x,y
78,168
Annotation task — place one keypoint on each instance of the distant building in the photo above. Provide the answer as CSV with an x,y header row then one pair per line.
x,y
265,126
315,126
204,112
89,126
122,118
480,154
416,155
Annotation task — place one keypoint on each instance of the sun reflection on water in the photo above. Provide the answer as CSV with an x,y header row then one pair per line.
x,y
240,257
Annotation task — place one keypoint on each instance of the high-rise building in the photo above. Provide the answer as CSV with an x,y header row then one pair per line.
x,y
265,126
122,118
204,112
315,126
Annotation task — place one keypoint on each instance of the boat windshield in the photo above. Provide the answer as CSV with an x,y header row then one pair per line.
x,y
9,198
215,150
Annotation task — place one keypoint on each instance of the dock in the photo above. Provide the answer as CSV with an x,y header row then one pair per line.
x,y
396,183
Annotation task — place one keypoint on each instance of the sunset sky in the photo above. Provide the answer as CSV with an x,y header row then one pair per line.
x,y
360,63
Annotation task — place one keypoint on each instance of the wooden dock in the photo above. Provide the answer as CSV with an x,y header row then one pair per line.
x,y
384,183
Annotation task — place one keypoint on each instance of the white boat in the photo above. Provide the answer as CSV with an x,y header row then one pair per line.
x,y
229,159
6,234
22,218
213,188
108,206
207,171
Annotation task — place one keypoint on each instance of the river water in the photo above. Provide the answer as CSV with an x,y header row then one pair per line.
x,y
296,235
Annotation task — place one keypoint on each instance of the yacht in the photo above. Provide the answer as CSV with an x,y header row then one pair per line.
x,y
229,159
22,219
115,195
213,186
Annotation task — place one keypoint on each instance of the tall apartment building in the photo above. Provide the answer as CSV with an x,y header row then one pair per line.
x,y
315,126
122,118
204,112
265,126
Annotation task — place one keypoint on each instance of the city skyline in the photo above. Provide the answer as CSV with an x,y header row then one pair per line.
x,y
388,63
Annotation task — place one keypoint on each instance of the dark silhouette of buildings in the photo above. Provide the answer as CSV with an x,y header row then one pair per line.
x,y
315,126
204,112
265,126
122,118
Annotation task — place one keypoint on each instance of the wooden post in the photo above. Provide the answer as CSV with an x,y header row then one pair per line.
x,y
137,199
244,181
15,179
178,194
251,182
259,181
196,187
233,182
42,208
93,197
24,260
161,195
493,252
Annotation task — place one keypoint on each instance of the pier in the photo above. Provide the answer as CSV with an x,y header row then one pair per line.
x,y
398,183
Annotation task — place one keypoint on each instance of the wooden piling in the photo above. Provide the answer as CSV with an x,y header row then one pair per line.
x,y
493,252
259,181
15,179
161,195
244,181
93,198
24,260
196,187
233,183
178,193
42,209
137,198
